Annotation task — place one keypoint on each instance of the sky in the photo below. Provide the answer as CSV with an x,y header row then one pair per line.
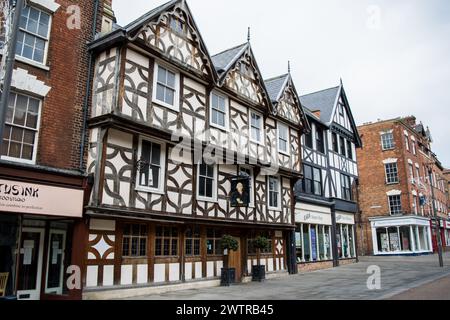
x,y
393,56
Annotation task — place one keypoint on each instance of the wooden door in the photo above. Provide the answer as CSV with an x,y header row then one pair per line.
x,y
235,261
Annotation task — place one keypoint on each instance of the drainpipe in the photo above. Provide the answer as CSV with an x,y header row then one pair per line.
x,y
88,90
333,236
9,65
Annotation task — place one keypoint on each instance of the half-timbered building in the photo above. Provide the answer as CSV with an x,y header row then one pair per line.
x,y
326,198
171,128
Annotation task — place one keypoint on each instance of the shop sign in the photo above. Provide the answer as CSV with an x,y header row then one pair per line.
x,y
313,218
400,222
447,224
342,218
28,198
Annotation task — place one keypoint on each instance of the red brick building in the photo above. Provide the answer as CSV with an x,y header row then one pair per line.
x,y
395,189
42,165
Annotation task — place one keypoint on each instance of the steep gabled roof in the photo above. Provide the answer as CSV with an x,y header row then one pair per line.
x,y
275,86
323,101
131,31
223,60
326,102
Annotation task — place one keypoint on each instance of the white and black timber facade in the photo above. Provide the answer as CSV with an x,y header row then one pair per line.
x,y
326,197
155,214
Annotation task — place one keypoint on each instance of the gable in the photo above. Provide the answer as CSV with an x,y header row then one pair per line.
x,y
174,33
288,105
341,115
245,79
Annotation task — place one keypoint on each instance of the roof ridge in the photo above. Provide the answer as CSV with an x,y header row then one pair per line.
x,y
276,78
149,13
233,48
308,94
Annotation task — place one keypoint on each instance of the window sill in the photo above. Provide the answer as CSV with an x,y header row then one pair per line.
x,y
148,190
259,143
284,153
166,105
32,63
17,160
274,209
210,200
218,127
390,149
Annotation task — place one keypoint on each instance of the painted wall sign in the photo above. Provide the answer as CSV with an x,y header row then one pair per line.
x,y
28,198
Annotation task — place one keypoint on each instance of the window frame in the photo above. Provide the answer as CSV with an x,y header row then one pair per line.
x,y
227,111
46,40
164,237
387,174
390,206
252,184
37,130
321,140
309,138
391,140
279,126
213,199
195,237
334,142
344,188
261,129
176,97
162,175
342,147
130,239
312,180
349,149
278,207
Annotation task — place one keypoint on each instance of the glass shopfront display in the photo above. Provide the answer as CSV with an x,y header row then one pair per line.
x,y
401,239
313,243
9,228
345,238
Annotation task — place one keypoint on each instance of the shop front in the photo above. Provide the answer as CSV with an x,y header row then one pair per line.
x,y
447,234
313,234
345,235
39,222
403,235
444,232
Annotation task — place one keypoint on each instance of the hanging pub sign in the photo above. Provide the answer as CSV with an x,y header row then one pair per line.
x,y
240,191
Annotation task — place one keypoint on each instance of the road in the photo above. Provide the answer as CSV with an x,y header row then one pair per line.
x,y
398,276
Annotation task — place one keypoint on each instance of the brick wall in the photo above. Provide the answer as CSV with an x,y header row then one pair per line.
x,y
62,110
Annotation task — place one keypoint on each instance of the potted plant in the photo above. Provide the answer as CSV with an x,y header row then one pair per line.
x,y
228,276
259,271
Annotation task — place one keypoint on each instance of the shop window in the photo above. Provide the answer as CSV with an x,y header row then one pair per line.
x,y
250,244
166,241
214,237
306,243
192,241
134,243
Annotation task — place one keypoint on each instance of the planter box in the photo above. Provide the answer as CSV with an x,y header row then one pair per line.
x,y
228,277
258,273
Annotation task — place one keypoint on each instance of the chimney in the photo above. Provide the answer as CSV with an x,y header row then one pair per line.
x,y
316,113
411,120
108,17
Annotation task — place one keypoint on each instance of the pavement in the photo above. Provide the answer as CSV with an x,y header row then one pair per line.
x,y
400,278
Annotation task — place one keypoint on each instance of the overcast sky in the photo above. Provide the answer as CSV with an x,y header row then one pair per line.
x,y
393,56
